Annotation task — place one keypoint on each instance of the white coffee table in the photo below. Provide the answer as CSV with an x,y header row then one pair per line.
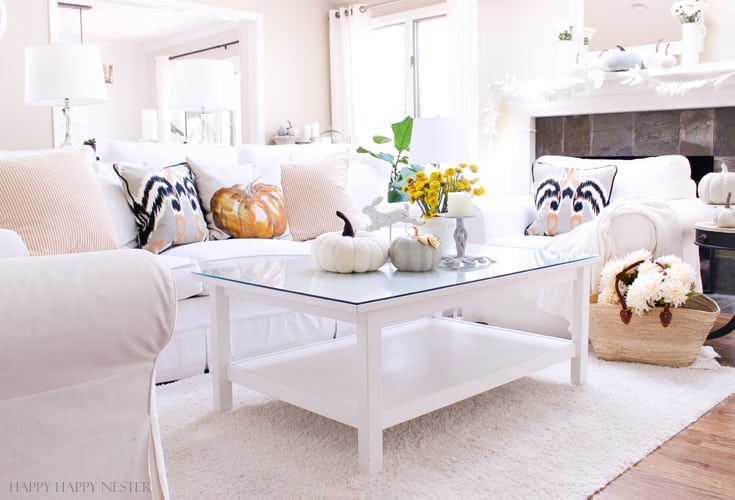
x,y
405,360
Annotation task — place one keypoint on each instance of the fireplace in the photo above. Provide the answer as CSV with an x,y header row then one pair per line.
x,y
705,136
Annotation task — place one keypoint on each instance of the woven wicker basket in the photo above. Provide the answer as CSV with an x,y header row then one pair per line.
x,y
645,340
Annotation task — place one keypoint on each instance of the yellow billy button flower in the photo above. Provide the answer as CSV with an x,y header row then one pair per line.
x,y
473,168
479,191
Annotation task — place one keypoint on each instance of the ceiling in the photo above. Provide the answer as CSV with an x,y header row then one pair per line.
x,y
150,28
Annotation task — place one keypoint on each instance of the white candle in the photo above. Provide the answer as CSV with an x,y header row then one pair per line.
x,y
307,133
459,204
315,129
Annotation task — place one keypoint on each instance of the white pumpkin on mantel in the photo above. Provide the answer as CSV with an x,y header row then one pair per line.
x,y
349,251
713,187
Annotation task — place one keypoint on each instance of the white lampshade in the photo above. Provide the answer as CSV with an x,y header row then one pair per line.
x,y
64,71
205,85
438,140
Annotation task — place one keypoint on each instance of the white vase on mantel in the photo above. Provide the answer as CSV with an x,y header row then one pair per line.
x,y
692,35
566,56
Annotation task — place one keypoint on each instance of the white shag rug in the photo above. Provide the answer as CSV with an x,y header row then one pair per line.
x,y
536,438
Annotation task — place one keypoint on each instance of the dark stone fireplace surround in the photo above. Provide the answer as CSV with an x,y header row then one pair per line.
x,y
706,136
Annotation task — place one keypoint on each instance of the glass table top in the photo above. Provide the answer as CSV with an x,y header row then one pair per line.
x,y
299,275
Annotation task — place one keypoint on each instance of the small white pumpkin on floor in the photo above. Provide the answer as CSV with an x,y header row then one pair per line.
x,y
349,251
416,252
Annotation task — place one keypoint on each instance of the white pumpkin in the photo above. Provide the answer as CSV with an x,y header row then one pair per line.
x,y
349,251
659,59
577,69
724,216
713,187
620,60
415,253
666,60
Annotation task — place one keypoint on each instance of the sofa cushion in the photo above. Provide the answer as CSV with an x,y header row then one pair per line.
x,y
54,203
166,205
159,155
11,245
566,197
267,160
181,271
210,252
122,216
315,190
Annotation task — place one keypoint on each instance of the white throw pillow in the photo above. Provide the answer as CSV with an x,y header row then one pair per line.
x,y
566,197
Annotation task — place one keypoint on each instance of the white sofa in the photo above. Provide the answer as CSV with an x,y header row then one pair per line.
x,y
653,205
260,329
74,357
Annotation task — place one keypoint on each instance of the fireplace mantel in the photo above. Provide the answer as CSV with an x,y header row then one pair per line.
x,y
616,94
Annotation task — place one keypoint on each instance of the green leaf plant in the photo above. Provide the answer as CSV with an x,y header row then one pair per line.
x,y
401,169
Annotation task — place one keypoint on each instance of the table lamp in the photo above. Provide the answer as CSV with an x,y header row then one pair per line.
x,y
64,75
204,86
438,140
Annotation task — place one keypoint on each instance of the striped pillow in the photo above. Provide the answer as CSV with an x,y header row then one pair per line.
x,y
314,190
53,201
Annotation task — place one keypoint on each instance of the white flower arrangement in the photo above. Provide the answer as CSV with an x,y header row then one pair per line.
x,y
688,11
648,283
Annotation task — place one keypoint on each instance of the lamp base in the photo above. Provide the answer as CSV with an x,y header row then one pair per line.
x,y
67,119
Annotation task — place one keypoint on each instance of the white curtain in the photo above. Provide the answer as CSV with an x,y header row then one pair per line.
x,y
163,97
349,45
462,21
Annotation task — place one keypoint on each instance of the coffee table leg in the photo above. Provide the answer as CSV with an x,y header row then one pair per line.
x,y
370,396
580,325
222,349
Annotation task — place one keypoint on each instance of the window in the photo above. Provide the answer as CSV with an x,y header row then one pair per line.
x,y
410,64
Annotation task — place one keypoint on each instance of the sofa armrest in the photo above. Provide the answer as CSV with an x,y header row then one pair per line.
x,y
79,338
11,244
505,216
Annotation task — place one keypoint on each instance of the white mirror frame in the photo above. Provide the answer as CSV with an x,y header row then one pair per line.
x,y
3,18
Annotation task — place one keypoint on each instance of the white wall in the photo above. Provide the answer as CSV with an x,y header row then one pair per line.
x,y
21,126
296,59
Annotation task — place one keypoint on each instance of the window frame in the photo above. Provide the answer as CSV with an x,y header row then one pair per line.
x,y
409,19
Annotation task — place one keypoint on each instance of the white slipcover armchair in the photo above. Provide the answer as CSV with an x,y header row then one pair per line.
x,y
79,337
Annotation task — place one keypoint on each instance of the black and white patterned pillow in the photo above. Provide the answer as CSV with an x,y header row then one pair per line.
x,y
566,197
165,204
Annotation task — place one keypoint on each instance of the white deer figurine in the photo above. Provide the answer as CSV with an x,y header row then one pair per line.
x,y
380,219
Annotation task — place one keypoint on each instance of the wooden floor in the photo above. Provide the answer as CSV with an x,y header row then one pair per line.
x,y
698,463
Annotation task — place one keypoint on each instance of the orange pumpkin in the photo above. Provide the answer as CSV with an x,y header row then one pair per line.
x,y
253,211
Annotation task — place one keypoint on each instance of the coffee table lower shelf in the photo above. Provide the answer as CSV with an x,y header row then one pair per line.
x,y
426,365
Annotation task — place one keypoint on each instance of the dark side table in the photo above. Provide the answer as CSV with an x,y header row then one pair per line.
x,y
717,260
